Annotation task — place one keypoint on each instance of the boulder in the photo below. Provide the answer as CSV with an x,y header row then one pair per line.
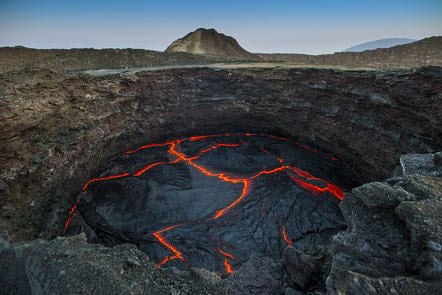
x,y
300,266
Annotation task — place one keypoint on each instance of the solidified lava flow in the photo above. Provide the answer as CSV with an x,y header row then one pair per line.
x,y
212,201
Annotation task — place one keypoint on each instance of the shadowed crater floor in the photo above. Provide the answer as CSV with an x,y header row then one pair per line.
x,y
213,201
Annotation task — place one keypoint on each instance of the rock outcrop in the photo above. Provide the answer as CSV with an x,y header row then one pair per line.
x,y
210,42
395,246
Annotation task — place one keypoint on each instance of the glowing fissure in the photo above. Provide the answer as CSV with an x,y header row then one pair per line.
x,y
162,240
306,147
227,266
148,167
226,263
69,220
286,239
301,179
243,194
148,146
331,188
104,178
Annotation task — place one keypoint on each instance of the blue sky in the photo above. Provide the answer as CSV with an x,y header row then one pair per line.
x,y
309,26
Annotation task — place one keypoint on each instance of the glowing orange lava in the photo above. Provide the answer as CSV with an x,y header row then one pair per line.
x,y
227,265
301,177
175,251
66,225
306,147
148,146
148,167
284,236
104,178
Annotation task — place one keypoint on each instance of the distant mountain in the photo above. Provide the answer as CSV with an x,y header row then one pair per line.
x,y
210,42
382,43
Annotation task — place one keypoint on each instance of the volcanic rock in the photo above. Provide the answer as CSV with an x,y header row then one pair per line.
x,y
427,164
386,246
208,278
210,42
300,266
433,246
381,195
423,219
72,266
356,283
260,275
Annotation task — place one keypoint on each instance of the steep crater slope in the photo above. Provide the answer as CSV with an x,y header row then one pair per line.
x,y
56,129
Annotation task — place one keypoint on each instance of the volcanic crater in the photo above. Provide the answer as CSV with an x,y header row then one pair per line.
x,y
207,167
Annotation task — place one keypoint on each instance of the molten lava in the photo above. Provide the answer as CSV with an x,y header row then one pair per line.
x,y
226,263
104,178
284,236
176,155
162,240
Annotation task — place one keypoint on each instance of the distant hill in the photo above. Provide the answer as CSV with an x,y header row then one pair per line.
x,y
210,42
382,43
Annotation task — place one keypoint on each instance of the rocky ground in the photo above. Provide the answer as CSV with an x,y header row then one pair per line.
x,y
57,128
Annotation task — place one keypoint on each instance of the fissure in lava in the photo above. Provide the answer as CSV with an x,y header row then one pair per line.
x,y
188,199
